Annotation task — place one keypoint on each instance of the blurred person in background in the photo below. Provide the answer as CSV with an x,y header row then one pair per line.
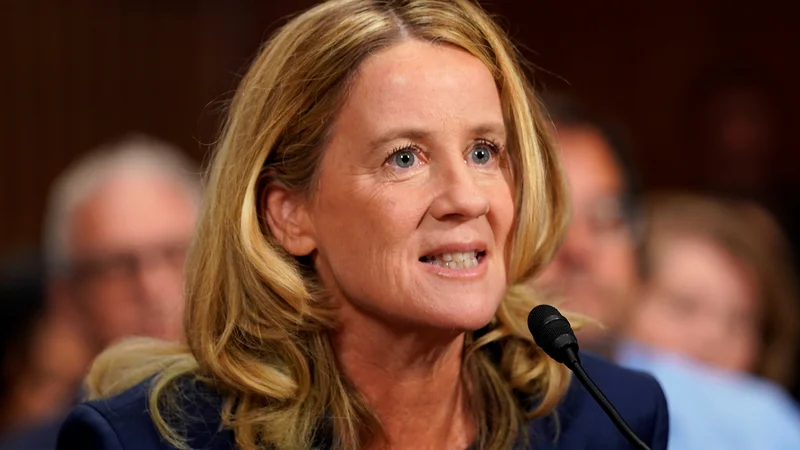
x,y
722,289
735,124
117,227
596,270
31,389
601,271
118,224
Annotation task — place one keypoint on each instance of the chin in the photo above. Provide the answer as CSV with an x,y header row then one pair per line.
x,y
467,316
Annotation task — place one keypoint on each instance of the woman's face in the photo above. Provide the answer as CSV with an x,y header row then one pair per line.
x,y
413,209
702,303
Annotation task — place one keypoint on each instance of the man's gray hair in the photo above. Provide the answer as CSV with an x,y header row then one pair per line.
x,y
133,153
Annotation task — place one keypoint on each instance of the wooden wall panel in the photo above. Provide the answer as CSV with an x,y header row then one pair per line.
x,y
75,74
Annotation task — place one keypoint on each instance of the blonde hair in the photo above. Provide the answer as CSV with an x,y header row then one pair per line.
x,y
257,324
747,233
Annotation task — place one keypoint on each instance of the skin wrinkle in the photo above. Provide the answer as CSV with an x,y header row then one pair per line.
x,y
370,222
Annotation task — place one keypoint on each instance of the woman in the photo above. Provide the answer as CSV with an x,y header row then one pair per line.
x,y
381,192
723,290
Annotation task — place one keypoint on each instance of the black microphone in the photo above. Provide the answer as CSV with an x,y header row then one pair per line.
x,y
552,332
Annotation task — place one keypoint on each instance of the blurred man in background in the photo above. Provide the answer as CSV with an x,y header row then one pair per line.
x,y
736,123
597,268
118,224
117,228
601,271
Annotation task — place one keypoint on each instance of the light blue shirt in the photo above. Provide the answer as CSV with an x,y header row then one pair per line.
x,y
712,409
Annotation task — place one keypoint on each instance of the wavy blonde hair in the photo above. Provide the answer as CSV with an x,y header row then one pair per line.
x,y
257,326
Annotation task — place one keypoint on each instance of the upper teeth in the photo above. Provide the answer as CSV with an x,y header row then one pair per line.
x,y
457,260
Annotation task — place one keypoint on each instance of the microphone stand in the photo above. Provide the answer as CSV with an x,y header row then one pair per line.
x,y
573,362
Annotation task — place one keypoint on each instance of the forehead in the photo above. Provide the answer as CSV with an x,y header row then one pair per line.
x,y
130,210
697,262
417,82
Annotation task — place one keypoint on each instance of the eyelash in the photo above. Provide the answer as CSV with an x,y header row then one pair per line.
x,y
496,148
403,148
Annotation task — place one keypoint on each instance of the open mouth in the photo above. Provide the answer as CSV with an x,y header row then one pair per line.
x,y
455,260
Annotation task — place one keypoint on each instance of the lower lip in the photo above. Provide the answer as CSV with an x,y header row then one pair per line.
x,y
446,272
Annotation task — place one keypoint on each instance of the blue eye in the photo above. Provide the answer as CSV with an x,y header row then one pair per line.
x,y
481,155
404,159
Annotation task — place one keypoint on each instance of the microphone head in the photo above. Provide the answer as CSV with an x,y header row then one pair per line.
x,y
552,332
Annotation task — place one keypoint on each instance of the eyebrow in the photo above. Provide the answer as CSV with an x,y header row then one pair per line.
x,y
417,134
489,128
413,134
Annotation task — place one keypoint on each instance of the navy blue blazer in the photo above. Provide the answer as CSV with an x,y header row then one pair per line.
x,y
123,422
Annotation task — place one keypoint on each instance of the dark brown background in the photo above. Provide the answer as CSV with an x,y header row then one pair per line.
x,y
77,73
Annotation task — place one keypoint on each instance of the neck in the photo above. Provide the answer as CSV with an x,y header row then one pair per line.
x,y
411,380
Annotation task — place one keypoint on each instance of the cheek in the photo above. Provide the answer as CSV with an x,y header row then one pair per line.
x,y
107,295
748,355
363,234
743,351
551,274
619,263
501,216
375,217
654,319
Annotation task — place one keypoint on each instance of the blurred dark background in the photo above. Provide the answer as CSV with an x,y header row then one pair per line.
x,y
76,74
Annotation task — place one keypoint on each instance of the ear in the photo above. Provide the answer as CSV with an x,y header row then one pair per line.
x,y
288,220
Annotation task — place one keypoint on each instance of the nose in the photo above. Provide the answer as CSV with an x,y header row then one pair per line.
x,y
460,196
